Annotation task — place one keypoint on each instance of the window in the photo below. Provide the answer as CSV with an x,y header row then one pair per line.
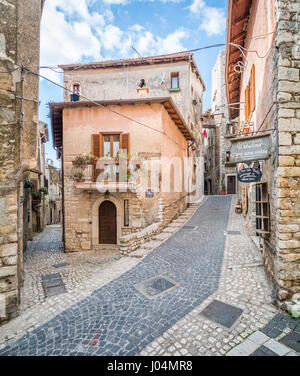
x,y
109,145
76,89
227,156
76,93
126,213
175,80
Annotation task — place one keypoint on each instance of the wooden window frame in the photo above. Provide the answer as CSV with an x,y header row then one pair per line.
x,y
111,135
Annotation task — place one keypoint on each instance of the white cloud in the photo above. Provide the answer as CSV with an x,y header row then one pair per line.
x,y
113,2
212,19
197,5
74,34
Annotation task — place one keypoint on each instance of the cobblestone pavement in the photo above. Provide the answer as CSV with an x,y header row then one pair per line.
x,y
45,252
109,314
86,272
280,337
117,319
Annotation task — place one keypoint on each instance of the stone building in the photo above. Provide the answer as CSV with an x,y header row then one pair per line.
x,y
173,75
262,75
211,149
220,172
105,206
53,199
34,198
19,46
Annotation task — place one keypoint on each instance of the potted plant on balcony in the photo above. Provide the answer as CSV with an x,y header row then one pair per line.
x,y
44,190
29,185
78,176
80,162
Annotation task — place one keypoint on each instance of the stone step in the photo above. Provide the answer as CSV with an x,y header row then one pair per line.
x,y
150,245
161,236
175,225
170,230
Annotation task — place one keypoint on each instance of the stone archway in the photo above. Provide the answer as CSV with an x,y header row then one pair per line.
x,y
95,218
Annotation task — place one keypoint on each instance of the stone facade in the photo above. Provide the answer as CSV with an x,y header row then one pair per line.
x,y
275,112
19,46
109,80
286,263
163,147
53,199
218,169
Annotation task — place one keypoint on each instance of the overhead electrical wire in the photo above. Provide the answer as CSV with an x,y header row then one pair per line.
x,y
103,106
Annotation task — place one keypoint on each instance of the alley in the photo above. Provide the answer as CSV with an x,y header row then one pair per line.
x,y
120,319
207,258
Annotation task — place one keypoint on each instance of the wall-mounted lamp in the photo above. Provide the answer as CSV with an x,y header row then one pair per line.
x,y
106,194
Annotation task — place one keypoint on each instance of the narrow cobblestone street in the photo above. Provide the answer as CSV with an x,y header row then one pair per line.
x,y
107,311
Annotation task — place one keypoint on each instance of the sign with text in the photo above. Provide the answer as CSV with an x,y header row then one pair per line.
x,y
249,175
253,148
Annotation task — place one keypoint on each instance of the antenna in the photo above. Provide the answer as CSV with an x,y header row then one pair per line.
x,y
134,49
163,79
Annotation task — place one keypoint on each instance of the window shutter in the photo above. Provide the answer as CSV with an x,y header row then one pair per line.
x,y
96,145
126,142
252,89
247,104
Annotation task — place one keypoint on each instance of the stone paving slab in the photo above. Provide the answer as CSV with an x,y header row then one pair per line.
x,y
247,287
128,321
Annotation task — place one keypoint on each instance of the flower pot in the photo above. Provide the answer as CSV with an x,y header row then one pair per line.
x,y
223,192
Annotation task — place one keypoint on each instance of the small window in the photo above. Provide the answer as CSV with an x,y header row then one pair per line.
x,y
126,213
175,80
76,89
227,156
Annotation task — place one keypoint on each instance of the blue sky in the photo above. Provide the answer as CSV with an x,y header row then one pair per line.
x,y
93,30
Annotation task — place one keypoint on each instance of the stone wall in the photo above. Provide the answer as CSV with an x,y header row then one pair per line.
x,y
19,46
129,243
287,178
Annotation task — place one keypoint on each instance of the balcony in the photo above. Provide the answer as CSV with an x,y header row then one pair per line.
x,y
106,175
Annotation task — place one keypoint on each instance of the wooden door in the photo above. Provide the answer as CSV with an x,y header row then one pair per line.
x,y
231,185
107,223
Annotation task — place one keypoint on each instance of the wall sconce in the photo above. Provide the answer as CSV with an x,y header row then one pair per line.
x,y
106,194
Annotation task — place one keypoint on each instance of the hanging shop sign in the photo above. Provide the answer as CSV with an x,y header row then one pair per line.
x,y
249,175
254,148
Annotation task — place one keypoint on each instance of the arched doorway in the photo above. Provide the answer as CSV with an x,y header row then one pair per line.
x,y
107,223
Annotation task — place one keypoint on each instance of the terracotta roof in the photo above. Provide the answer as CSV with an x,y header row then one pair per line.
x,y
238,16
160,59
56,110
